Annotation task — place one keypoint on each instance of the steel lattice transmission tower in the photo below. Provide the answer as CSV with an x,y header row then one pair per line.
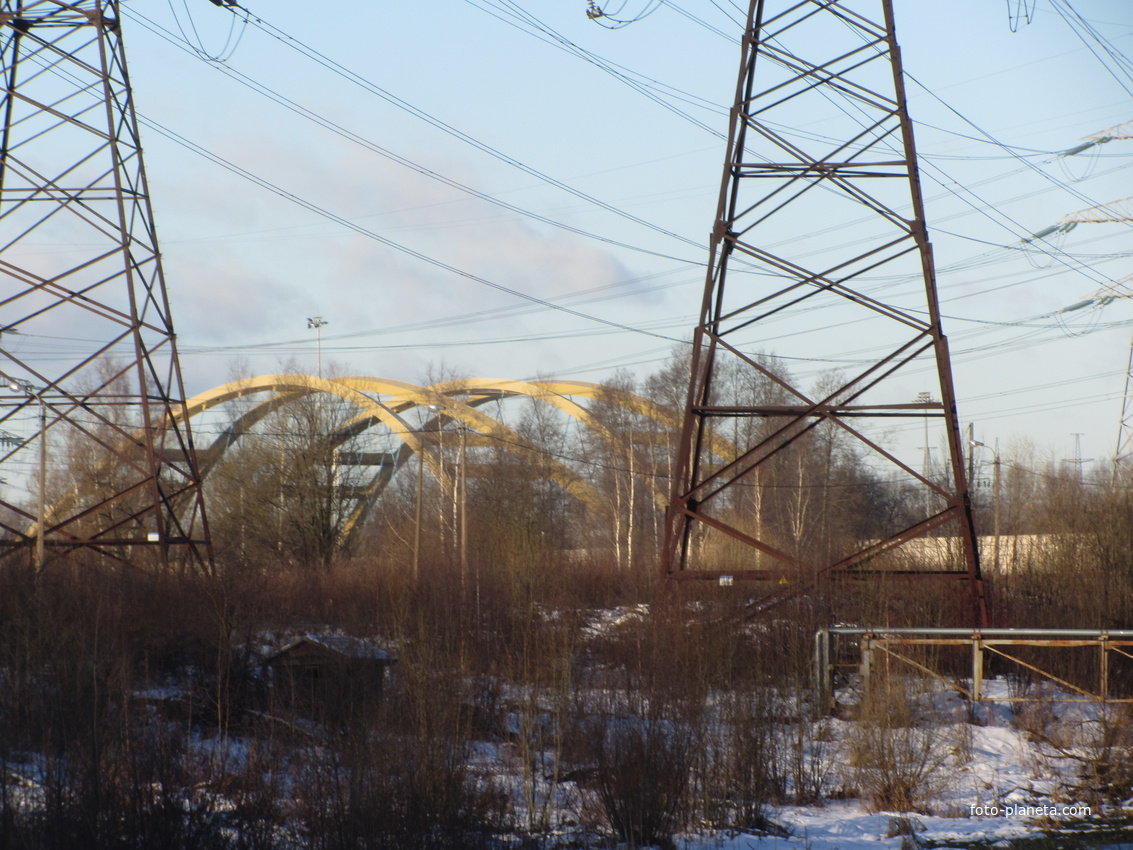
x,y
1123,455
86,336
820,255
1120,211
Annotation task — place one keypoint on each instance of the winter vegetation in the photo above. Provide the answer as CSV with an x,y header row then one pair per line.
x,y
490,662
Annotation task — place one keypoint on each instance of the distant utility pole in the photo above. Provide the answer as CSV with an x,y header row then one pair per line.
x,y
973,445
926,399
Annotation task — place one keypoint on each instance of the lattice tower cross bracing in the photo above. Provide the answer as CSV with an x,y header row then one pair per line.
x,y
820,137
124,481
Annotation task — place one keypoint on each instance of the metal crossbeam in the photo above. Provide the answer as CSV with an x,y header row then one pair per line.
x,y
896,644
819,138
79,261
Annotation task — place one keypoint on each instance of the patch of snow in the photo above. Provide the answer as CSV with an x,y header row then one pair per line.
x,y
607,620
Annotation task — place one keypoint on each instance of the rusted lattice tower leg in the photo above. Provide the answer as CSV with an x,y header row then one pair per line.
x,y
820,376
91,381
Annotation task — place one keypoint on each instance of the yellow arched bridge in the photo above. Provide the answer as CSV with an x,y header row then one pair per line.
x,y
401,407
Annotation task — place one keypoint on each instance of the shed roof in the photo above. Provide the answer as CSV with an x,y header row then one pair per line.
x,y
346,646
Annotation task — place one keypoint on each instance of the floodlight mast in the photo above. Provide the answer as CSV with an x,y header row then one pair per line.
x,y
71,176
833,65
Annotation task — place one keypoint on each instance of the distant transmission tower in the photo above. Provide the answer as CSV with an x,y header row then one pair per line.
x,y
1123,454
87,348
1120,211
1114,291
1078,461
820,255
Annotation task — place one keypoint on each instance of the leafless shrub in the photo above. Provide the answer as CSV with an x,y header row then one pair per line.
x,y
406,778
810,757
642,765
752,745
639,728
962,741
379,790
1102,750
896,762
1035,712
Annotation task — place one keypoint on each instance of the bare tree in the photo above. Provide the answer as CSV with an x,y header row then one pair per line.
x,y
287,485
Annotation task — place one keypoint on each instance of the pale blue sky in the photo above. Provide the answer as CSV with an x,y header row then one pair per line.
x,y
616,133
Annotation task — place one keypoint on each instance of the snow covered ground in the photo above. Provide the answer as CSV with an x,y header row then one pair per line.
x,y
1009,774
999,772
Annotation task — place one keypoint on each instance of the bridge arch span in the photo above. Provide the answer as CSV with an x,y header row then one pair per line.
x,y
378,401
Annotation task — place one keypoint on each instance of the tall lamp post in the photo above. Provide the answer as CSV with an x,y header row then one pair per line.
x,y
317,324
20,385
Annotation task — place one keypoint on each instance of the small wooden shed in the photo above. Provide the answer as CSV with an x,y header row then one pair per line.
x,y
329,676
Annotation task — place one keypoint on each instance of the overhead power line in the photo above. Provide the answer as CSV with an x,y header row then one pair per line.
x,y
389,243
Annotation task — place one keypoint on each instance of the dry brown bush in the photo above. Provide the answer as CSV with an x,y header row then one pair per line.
x,y
896,759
